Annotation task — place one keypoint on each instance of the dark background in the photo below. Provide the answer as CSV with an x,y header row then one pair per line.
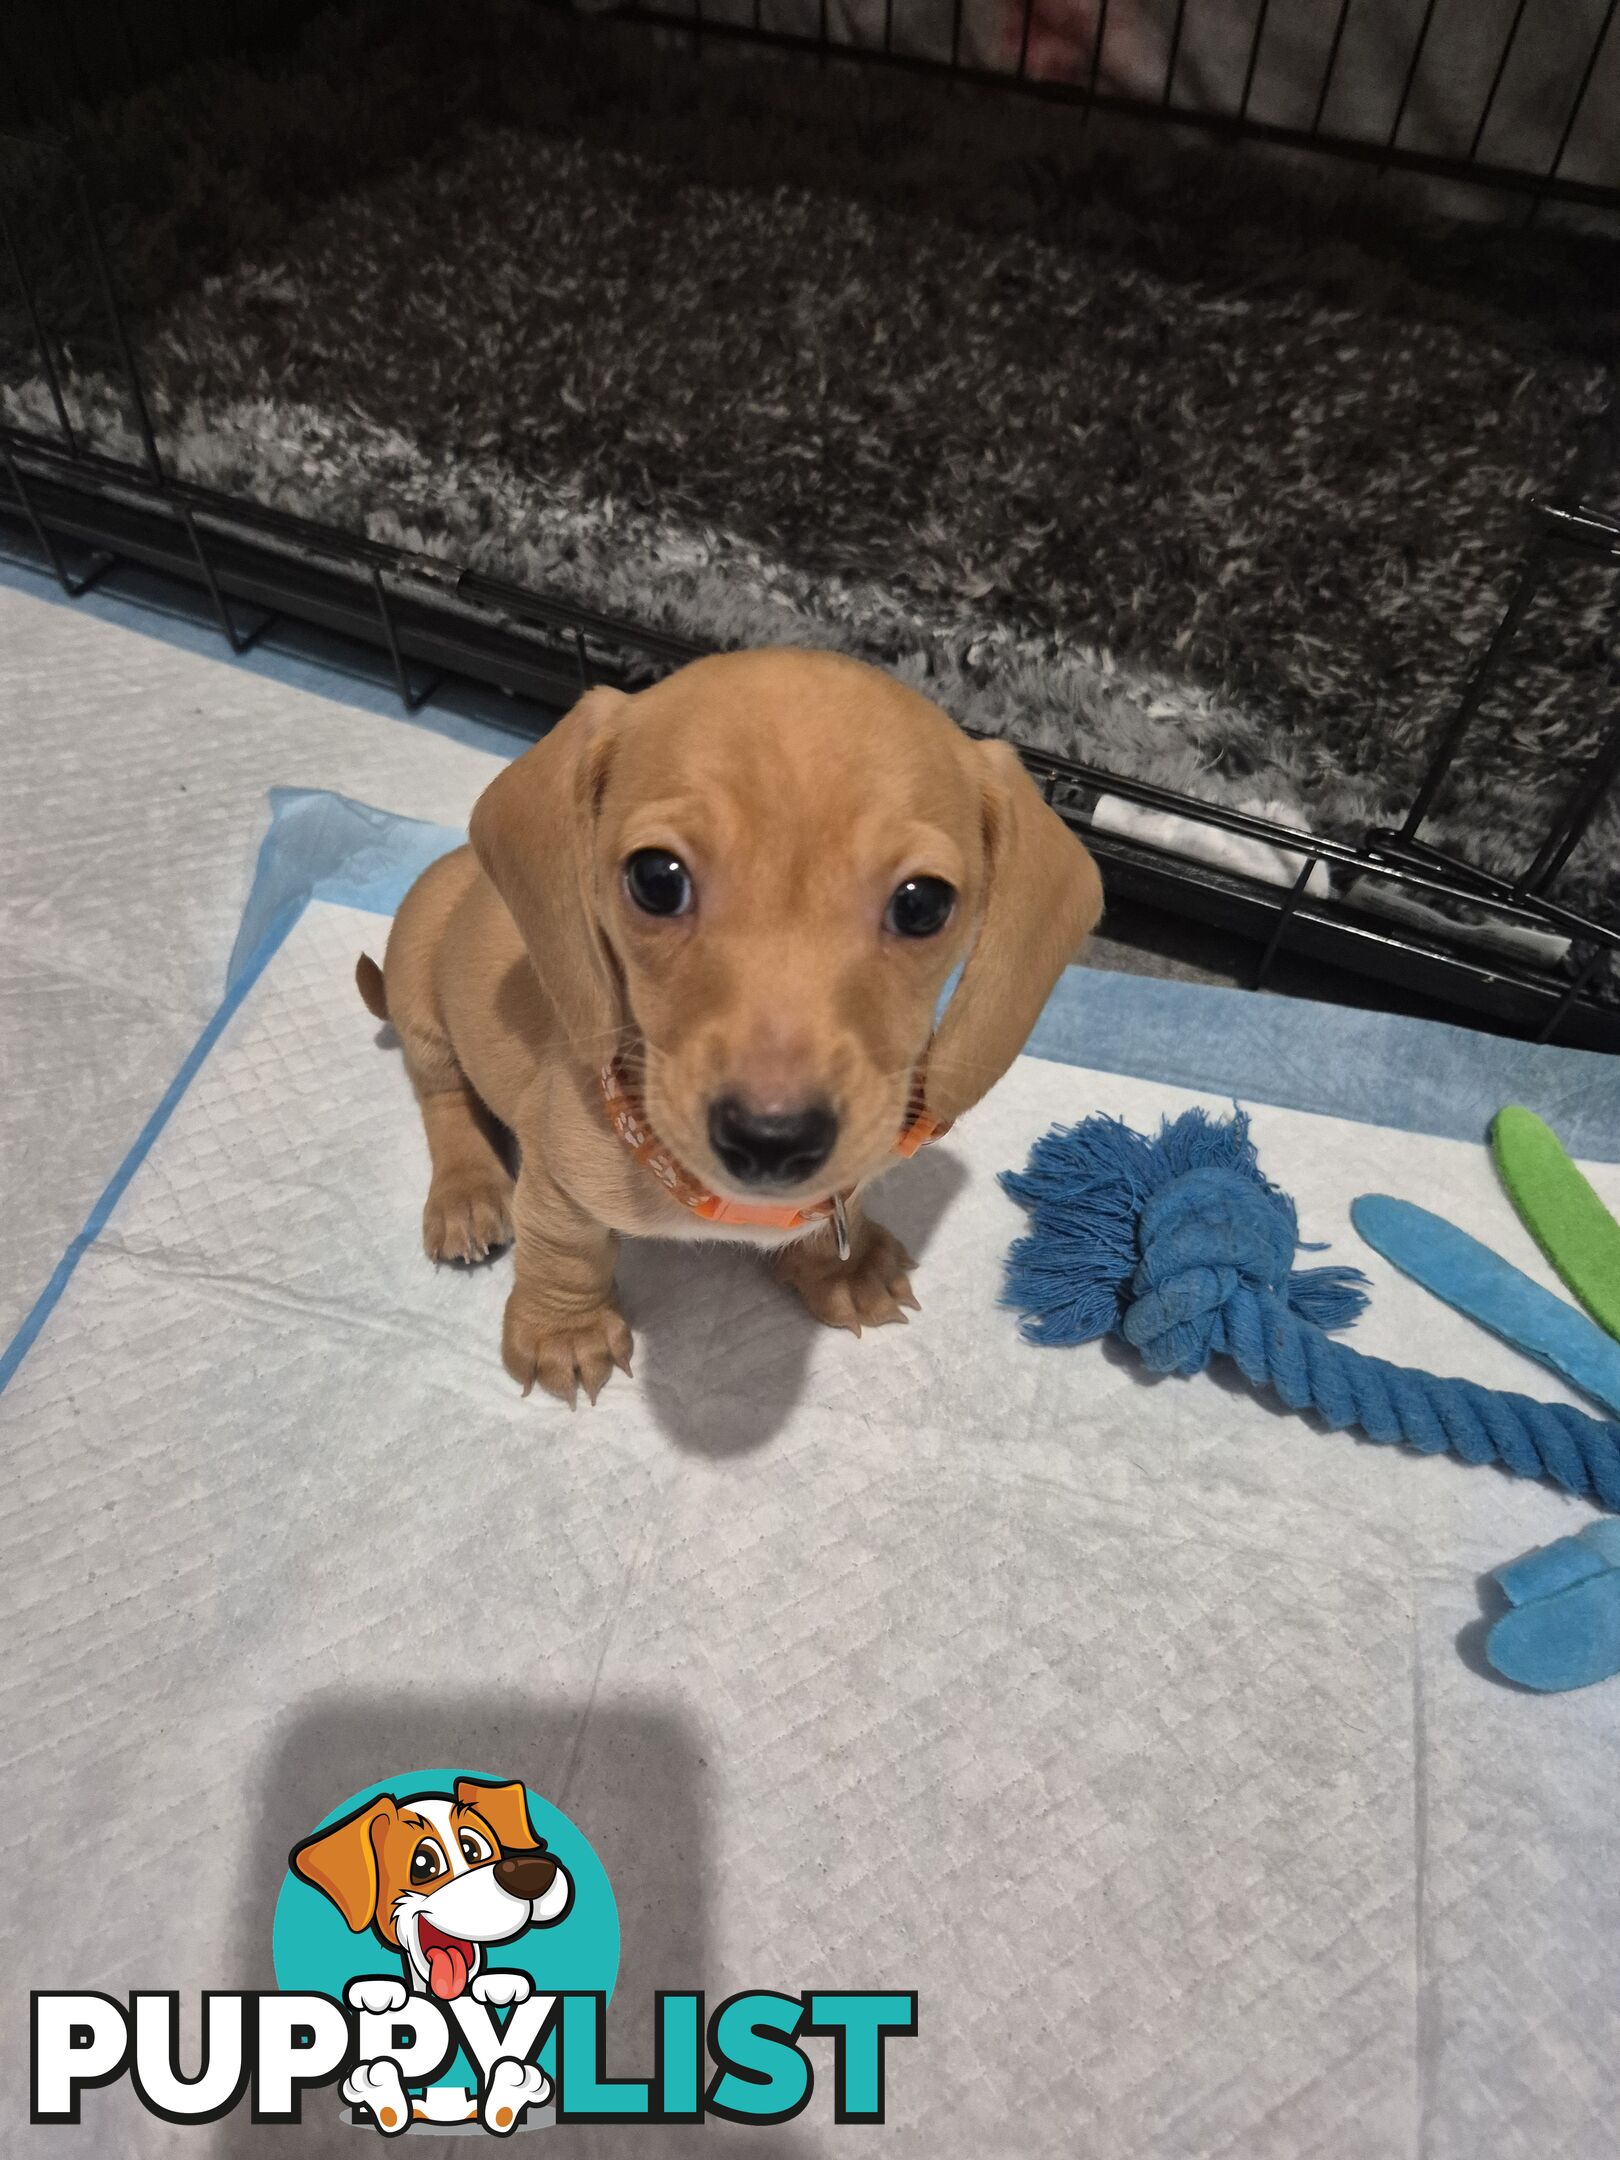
x,y
56,53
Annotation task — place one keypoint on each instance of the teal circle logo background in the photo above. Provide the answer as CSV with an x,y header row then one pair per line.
x,y
314,1951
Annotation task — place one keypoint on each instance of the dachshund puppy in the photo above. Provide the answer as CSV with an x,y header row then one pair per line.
x,y
691,961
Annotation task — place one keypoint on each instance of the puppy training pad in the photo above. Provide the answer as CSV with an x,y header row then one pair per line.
x,y
137,757
1124,1721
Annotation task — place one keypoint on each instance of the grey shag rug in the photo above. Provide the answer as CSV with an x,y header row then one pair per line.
x,y
1108,466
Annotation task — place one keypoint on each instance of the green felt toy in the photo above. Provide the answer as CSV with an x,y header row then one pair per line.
x,y
1561,1211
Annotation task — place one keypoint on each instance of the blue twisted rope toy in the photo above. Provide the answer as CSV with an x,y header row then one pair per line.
x,y
1181,1246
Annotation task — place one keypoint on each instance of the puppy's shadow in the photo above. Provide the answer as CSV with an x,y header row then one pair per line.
x,y
723,1349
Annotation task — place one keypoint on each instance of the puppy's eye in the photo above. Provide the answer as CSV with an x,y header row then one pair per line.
x,y
473,1848
658,882
426,1862
921,907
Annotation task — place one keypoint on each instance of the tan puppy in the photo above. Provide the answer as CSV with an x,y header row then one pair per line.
x,y
738,896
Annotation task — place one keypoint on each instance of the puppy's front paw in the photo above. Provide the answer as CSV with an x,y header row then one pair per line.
x,y
513,2086
869,1289
378,1995
502,1987
379,2087
468,1215
563,1356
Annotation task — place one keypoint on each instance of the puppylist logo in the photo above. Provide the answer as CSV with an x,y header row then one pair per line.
x,y
445,1949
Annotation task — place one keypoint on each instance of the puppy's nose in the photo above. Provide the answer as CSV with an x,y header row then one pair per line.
x,y
527,1875
761,1147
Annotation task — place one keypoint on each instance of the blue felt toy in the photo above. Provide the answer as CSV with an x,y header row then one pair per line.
x,y
1562,1629
1182,1247
1470,1277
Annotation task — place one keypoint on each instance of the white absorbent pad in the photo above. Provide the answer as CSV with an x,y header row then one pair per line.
x,y
1124,1721
137,759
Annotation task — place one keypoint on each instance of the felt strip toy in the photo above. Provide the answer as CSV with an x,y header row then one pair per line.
x,y
1561,1211
1181,1246
1471,1278
1563,1627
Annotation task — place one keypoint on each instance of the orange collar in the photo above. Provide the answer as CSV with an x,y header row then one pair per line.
x,y
628,1120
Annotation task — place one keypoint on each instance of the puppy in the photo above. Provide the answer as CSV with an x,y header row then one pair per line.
x,y
691,961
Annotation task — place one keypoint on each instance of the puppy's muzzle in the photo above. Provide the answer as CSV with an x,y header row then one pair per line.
x,y
759,1147
527,1875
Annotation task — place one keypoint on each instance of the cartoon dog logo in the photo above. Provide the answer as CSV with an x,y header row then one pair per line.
x,y
437,1878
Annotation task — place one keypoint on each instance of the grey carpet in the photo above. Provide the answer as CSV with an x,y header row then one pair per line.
x,y
1197,488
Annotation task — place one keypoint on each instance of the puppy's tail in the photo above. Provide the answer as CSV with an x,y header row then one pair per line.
x,y
368,980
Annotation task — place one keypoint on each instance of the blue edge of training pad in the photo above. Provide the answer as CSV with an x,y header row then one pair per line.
x,y
1369,1068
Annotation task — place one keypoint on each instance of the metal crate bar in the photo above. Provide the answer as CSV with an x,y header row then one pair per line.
x,y
47,358
1173,55
436,622
120,330
1328,71
1489,105
1382,154
100,561
1585,84
1261,14
434,629
1410,84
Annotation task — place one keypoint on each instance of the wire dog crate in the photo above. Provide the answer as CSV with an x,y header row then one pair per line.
x,y
82,511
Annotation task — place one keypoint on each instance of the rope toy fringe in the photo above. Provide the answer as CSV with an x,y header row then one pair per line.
x,y
1181,1246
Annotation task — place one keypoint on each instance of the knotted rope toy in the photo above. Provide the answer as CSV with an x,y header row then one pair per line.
x,y
1181,1246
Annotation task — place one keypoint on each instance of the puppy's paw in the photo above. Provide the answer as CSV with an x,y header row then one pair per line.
x,y
563,1356
378,2086
468,1215
379,1996
505,1985
872,1288
513,2086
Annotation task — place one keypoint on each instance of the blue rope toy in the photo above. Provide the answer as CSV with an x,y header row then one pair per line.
x,y
1181,1246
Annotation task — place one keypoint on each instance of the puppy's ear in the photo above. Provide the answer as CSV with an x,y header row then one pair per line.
x,y
1042,899
505,1808
532,830
342,1862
